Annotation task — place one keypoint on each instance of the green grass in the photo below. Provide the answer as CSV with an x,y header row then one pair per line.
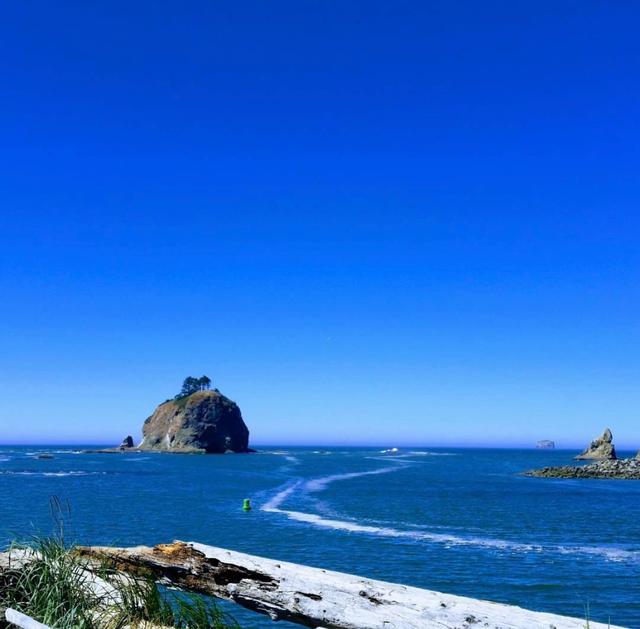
x,y
181,402
55,588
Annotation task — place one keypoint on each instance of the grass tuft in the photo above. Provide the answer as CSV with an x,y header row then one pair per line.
x,y
54,586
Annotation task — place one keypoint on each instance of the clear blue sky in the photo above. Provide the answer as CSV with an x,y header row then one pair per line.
x,y
368,222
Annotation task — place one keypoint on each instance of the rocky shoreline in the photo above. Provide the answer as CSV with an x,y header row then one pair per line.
x,y
621,469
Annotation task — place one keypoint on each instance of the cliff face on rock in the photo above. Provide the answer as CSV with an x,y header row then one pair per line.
x,y
600,448
205,421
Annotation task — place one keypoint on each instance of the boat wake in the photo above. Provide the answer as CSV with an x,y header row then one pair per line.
x,y
52,474
274,505
320,484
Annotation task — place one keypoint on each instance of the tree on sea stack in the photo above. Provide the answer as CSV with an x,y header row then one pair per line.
x,y
191,385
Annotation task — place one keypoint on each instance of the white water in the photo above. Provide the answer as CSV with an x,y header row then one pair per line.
x,y
320,484
56,474
351,526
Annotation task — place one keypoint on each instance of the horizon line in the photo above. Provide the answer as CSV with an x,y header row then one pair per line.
x,y
514,446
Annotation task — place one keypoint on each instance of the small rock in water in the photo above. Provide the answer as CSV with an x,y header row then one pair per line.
x,y
127,442
600,448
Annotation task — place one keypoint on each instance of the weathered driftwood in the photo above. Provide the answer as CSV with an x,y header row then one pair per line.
x,y
107,593
21,620
18,558
320,598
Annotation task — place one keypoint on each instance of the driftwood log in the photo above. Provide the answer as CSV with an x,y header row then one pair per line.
x,y
21,620
319,598
107,592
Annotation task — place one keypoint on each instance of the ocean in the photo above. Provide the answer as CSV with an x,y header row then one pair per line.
x,y
462,521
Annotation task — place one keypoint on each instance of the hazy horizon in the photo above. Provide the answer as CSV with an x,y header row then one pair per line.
x,y
620,447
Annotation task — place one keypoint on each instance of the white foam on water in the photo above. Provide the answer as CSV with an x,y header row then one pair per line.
x,y
62,474
273,505
286,454
608,552
320,484
612,554
393,456
446,539
385,531
56,474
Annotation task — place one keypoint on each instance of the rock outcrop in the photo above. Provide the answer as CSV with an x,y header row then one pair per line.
x,y
623,469
127,442
205,421
600,448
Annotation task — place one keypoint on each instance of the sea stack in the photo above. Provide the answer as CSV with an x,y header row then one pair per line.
x,y
601,448
204,421
127,442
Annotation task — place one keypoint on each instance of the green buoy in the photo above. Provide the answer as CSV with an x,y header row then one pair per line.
x,y
246,504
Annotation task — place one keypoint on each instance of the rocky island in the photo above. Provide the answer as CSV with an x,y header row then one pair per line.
x,y
607,464
197,420
203,421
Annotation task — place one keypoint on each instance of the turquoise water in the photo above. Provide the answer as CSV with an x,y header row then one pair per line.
x,y
457,520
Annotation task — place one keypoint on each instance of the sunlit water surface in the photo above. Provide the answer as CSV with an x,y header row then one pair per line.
x,y
461,521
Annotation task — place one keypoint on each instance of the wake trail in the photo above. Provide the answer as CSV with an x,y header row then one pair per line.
x,y
320,484
350,526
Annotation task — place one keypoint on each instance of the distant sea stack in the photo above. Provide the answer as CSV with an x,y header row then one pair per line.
x,y
546,444
200,421
601,448
127,442
606,463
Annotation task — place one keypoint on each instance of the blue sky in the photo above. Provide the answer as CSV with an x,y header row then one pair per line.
x,y
386,223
